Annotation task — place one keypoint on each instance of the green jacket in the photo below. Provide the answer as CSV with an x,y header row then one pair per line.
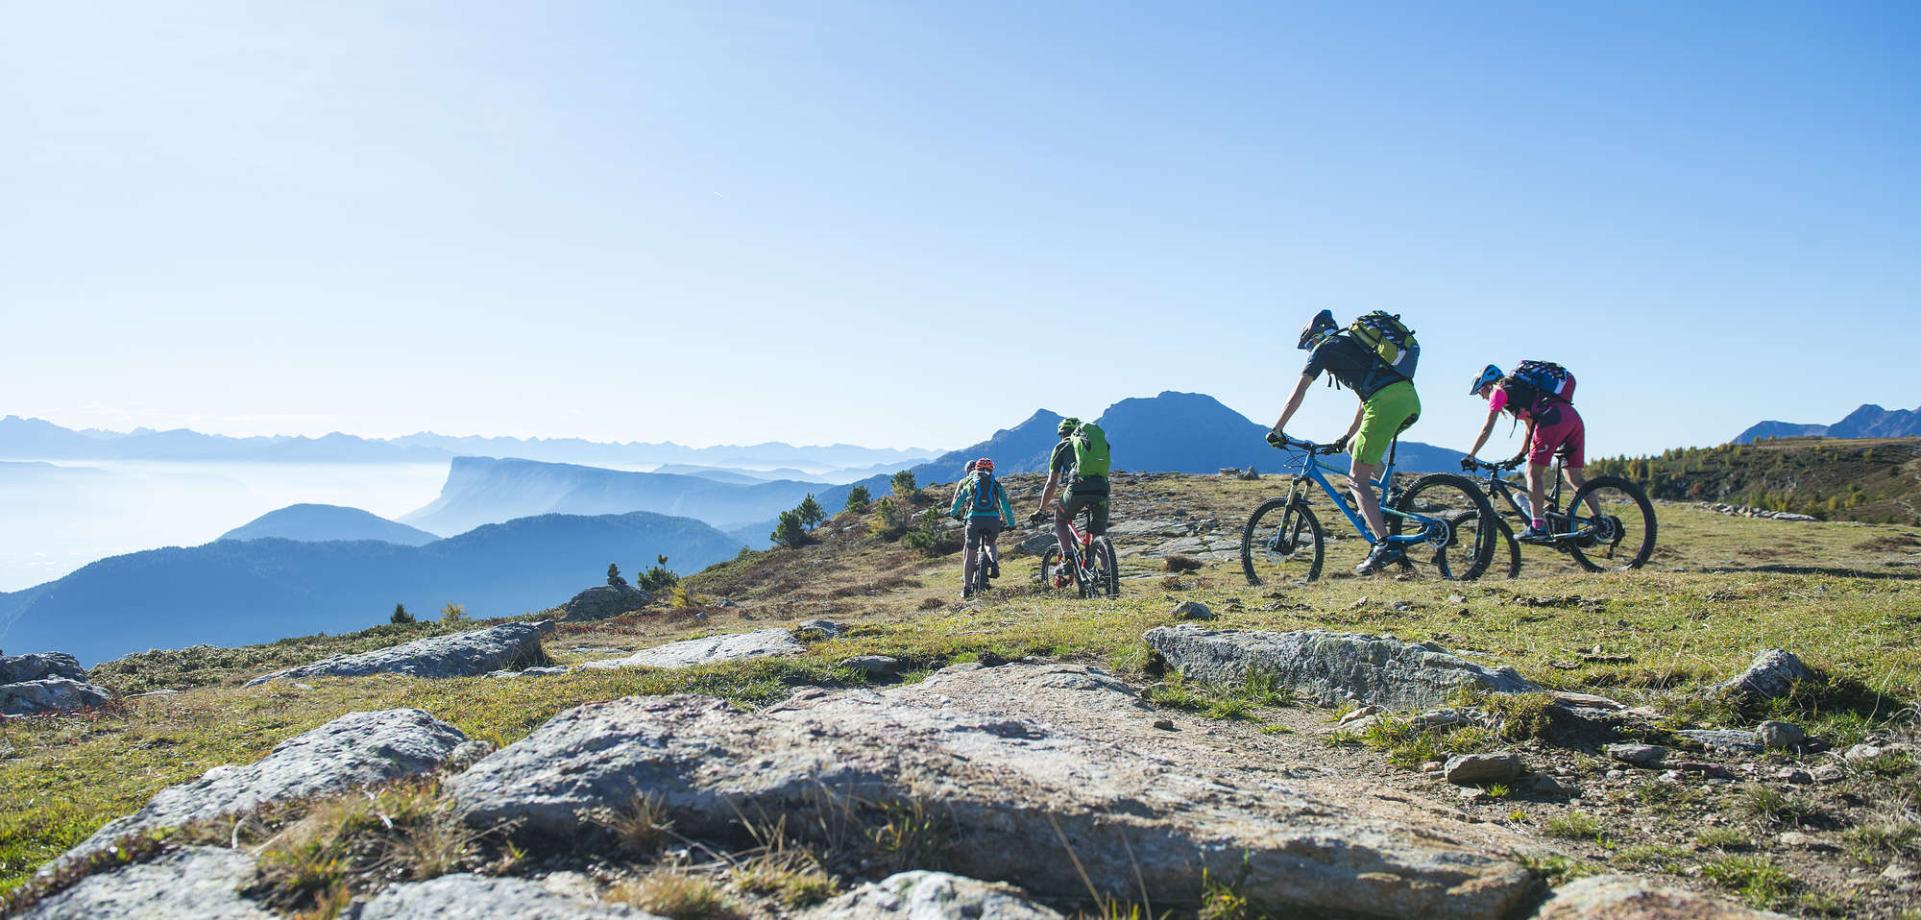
x,y
965,506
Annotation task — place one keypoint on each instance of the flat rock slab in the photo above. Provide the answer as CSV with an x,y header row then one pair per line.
x,y
476,897
688,653
1014,765
509,646
16,669
1331,667
50,695
357,749
194,883
1620,897
922,895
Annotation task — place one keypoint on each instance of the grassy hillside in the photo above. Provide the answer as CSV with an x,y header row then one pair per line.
x,y
1841,595
1872,480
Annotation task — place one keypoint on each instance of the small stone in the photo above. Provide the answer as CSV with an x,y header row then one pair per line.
x,y
1899,873
1457,599
1551,787
1617,774
1640,755
1794,776
1192,610
1829,773
1861,752
1772,674
1727,739
1359,714
1780,735
875,665
1166,725
1432,766
1471,769
1801,841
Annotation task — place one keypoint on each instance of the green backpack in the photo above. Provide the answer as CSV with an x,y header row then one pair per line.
x,y
1091,456
1390,341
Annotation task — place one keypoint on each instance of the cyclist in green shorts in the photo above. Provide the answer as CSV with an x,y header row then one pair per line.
x,y
1388,406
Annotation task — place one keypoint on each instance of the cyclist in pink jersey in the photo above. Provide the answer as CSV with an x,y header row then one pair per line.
x,y
1553,425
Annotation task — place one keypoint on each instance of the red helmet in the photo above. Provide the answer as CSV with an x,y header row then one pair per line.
x,y
983,464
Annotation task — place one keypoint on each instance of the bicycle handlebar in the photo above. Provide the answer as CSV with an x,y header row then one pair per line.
x,y
1288,443
1497,466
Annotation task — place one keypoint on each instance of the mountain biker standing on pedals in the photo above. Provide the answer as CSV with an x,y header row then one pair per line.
x,y
1080,462
1388,406
1540,394
981,501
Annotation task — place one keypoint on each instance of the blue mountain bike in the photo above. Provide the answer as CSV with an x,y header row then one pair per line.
x,y
1442,520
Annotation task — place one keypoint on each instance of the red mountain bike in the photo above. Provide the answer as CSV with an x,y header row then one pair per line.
x,y
1095,572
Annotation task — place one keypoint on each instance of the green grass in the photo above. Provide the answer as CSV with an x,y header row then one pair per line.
x,y
1575,825
1759,882
1720,589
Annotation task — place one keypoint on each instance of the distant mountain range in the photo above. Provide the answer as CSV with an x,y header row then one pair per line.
x,y
234,592
1869,421
482,490
36,439
320,523
1169,433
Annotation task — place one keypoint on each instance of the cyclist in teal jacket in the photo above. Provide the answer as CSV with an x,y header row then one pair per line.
x,y
981,501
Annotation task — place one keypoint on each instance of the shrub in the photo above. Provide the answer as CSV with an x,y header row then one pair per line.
x,y
857,499
928,538
905,488
790,531
453,613
890,519
401,615
657,578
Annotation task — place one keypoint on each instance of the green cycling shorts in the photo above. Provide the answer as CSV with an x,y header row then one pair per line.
x,y
1387,413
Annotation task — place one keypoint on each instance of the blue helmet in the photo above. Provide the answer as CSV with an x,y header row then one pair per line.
x,y
1317,329
1490,374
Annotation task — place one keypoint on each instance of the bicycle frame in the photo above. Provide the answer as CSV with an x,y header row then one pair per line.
x,y
1312,469
1499,487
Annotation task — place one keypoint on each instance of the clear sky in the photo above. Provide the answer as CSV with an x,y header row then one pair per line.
x,y
910,223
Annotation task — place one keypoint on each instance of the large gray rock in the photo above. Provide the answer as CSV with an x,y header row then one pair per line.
x,y
1475,769
1331,667
357,749
475,897
194,883
758,644
603,601
1773,673
49,695
1620,897
923,895
508,647
18,669
1007,762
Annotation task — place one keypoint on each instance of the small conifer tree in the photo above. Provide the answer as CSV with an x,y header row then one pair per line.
x,y
857,499
789,532
401,615
904,485
810,511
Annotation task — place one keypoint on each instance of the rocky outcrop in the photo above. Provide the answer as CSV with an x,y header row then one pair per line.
x,y
18,669
1773,673
1619,897
49,695
475,897
508,647
1331,667
758,644
1013,767
922,895
603,601
193,883
357,749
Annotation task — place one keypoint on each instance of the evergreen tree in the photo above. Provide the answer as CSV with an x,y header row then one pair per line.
x,y
810,512
789,532
857,499
401,615
904,485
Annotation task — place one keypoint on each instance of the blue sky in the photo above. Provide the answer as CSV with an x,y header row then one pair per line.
x,y
901,224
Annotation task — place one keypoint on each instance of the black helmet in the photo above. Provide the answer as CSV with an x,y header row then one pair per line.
x,y
1322,323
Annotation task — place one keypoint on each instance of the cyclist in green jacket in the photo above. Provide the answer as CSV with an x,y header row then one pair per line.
x,y
1388,406
982,502
1079,489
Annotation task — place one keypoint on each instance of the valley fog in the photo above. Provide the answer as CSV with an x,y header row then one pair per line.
x,y
58,516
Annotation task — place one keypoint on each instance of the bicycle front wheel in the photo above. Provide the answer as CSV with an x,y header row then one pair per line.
x,y
1282,543
1456,519
1622,537
1506,547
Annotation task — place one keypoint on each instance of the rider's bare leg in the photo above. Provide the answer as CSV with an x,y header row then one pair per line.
x,y
969,561
1360,479
1537,491
1064,530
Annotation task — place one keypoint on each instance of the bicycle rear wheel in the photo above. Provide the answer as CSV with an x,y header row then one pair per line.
x,y
1622,538
1107,575
1050,561
1458,519
1282,542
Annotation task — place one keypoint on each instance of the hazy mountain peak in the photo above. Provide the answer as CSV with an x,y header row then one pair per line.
x,y
313,523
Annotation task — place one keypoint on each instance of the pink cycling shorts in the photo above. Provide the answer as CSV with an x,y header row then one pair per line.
x,y
1567,434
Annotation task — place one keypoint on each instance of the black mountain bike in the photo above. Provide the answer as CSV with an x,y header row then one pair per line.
x,y
1620,538
1095,572
1440,519
987,567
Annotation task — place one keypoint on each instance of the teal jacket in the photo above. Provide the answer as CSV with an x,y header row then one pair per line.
x,y
996,504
